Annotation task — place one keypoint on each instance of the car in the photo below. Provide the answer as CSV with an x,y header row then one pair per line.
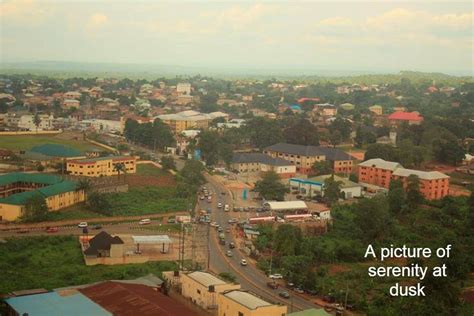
x,y
227,230
276,276
243,262
219,205
82,225
232,221
171,220
284,295
229,253
213,224
273,285
222,193
52,229
231,245
144,221
97,226
23,231
220,229
226,207
298,290
201,197
290,285
312,292
222,241
208,210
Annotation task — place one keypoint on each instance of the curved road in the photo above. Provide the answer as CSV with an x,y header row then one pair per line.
x,y
250,277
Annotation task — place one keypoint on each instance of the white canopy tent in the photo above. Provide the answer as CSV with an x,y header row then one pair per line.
x,y
164,240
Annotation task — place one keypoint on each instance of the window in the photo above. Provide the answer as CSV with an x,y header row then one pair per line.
x,y
241,314
199,291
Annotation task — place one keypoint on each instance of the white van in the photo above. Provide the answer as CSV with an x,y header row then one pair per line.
x,y
144,221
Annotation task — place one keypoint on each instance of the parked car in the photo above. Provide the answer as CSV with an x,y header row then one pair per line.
x,y
232,221
229,253
231,245
290,285
273,285
52,229
97,226
275,276
144,221
220,229
214,224
298,290
243,262
226,208
312,292
82,225
227,230
284,295
171,220
201,197
219,205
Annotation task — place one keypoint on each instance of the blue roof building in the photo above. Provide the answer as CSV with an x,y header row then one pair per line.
x,y
53,304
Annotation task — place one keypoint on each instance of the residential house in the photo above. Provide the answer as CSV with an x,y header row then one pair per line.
x,y
376,109
183,88
412,118
257,163
104,245
245,303
70,103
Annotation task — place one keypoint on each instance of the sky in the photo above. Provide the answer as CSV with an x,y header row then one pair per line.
x,y
350,35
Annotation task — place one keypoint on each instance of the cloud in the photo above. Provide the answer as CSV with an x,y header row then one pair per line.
x,y
336,21
24,11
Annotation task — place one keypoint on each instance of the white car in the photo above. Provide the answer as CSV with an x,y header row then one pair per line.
x,y
144,221
219,205
243,262
82,225
276,276
226,207
214,224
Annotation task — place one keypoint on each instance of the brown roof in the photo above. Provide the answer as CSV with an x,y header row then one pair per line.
x,y
134,299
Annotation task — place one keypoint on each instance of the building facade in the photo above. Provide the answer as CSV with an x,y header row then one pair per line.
x,y
244,303
203,288
102,166
433,184
303,157
256,163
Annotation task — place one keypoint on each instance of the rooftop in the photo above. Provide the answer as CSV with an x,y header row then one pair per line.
x,y
247,299
52,304
328,152
101,241
345,183
92,160
425,175
286,205
259,157
405,116
205,278
311,312
381,164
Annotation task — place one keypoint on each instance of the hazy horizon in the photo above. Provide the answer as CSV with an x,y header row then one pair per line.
x,y
296,37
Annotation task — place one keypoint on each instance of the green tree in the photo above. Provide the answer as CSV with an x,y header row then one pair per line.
x,y
119,168
332,190
413,196
335,138
288,239
396,196
322,167
167,162
270,187
382,151
37,120
373,220
301,132
86,185
35,209
97,202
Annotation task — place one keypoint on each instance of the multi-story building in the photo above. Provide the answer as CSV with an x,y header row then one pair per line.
x,y
183,88
303,157
244,303
412,118
181,121
27,122
255,163
433,184
203,288
17,188
102,166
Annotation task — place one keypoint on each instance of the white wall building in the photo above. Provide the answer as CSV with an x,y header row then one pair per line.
x,y
26,122
183,88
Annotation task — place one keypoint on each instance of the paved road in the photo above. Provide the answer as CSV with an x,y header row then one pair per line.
x,y
249,276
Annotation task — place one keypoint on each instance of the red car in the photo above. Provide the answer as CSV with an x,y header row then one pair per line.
x,y
52,230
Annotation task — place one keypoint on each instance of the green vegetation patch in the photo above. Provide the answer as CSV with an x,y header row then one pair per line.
x,y
150,170
56,261
26,142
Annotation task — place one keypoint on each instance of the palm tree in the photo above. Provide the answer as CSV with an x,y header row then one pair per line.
x,y
86,185
119,167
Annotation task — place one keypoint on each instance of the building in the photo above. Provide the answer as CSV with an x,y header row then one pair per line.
x,y
104,245
303,157
376,109
412,118
203,288
27,122
311,312
72,95
17,188
347,106
283,206
325,109
184,120
433,184
256,163
244,303
315,186
132,298
233,123
54,304
102,166
71,103
183,88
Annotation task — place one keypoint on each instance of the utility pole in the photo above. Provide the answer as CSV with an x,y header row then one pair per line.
x,y
347,293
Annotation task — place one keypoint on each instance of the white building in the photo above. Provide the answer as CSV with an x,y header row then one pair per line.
x,y
102,125
183,88
315,186
26,122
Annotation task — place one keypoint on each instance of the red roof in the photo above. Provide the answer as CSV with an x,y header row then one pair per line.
x,y
405,116
122,299
308,99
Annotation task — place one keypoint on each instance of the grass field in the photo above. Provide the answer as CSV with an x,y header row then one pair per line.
x,y
26,142
56,261
77,211
150,170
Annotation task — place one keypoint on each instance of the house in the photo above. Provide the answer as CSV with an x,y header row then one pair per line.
x,y
27,122
325,109
233,123
347,106
102,166
376,109
315,186
104,245
311,312
72,95
245,303
303,157
17,188
378,172
70,103
184,120
203,288
412,118
53,304
256,163
183,88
